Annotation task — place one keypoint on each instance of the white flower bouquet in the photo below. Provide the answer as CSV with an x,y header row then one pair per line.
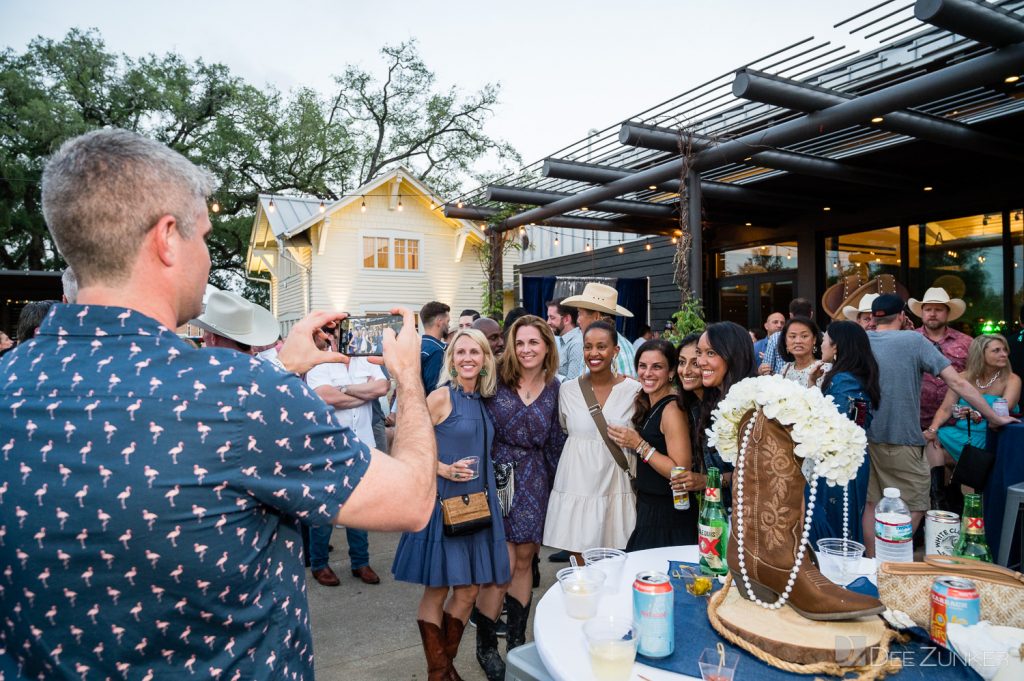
x,y
830,444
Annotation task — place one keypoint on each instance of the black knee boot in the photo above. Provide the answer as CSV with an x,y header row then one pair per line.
x,y
518,614
487,647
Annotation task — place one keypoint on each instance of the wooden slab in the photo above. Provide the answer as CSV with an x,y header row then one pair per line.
x,y
792,637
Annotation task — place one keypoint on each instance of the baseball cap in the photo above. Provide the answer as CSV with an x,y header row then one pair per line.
x,y
886,305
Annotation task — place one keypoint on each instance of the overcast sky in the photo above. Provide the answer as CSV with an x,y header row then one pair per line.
x,y
565,66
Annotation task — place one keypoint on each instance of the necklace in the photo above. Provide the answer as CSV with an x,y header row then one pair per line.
x,y
992,380
529,390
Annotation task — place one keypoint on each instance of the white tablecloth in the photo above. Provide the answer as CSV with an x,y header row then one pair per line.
x,y
560,638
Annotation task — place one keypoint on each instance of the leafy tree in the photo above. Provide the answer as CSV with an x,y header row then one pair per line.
x,y
256,140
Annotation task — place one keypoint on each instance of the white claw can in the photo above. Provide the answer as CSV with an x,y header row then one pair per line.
x,y
941,532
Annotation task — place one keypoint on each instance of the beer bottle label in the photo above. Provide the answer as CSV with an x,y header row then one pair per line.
x,y
712,494
710,545
976,525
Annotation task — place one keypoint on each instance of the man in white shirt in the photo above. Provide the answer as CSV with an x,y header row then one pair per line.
x,y
351,390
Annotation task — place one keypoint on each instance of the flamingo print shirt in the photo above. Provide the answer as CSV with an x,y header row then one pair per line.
x,y
149,503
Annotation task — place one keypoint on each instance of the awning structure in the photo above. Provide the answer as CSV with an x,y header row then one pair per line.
x,y
813,136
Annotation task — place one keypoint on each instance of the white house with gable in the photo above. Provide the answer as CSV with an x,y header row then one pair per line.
x,y
383,245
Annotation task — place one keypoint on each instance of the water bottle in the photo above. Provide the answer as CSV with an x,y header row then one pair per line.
x,y
894,531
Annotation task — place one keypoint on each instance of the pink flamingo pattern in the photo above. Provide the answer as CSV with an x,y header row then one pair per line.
x,y
152,448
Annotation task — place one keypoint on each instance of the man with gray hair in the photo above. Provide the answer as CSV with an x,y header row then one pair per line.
x,y
161,523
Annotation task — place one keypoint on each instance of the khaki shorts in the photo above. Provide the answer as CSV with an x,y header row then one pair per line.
x,y
903,467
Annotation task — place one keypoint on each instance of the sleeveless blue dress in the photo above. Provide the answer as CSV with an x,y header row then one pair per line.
x,y
954,437
428,557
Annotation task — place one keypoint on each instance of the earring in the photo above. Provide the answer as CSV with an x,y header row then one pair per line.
x,y
453,372
483,372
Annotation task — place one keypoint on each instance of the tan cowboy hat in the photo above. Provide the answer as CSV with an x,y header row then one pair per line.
x,y
864,305
598,297
853,287
938,296
230,315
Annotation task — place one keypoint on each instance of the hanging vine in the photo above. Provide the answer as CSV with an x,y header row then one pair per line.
x,y
491,256
681,260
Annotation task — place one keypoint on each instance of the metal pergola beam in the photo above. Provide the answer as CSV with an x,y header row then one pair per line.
x,y
984,23
633,134
484,213
927,87
597,174
790,161
791,94
540,198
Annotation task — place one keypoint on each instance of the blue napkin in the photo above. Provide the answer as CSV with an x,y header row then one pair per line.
x,y
922,661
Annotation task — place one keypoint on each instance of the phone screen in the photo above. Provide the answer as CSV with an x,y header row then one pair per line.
x,y
364,336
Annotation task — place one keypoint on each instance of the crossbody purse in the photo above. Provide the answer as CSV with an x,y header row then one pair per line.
x,y
602,427
466,514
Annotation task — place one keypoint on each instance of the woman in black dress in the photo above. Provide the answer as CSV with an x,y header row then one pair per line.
x,y
661,440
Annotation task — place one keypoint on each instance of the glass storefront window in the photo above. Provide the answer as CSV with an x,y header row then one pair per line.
x,y
757,259
1017,243
868,254
965,257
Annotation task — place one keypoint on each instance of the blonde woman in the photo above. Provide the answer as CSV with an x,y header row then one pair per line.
x,y
528,441
451,569
988,369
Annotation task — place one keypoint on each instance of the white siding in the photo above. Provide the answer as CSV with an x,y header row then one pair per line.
x,y
341,283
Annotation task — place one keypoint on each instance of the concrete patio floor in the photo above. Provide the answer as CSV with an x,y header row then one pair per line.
x,y
369,633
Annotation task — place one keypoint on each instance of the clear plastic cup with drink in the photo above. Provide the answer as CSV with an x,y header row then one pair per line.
x,y
581,590
610,562
473,464
611,642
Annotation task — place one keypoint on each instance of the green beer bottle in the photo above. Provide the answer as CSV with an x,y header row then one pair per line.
x,y
713,528
972,542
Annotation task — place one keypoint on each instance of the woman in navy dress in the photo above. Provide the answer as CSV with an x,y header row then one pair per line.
x,y
853,384
453,568
529,438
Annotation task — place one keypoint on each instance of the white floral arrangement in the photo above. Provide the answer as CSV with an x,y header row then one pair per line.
x,y
830,444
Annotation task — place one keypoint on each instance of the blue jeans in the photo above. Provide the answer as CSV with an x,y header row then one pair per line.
x,y
320,539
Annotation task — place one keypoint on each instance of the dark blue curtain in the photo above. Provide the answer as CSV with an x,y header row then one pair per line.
x,y
536,292
632,296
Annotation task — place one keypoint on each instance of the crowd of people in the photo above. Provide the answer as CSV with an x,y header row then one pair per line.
x,y
215,470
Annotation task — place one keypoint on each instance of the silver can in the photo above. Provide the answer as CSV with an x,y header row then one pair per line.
x,y
941,532
680,500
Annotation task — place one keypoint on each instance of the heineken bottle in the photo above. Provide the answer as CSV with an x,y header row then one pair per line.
x,y
713,528
972,542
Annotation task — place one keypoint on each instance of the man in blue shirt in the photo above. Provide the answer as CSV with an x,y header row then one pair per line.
x,y
435,318
153,526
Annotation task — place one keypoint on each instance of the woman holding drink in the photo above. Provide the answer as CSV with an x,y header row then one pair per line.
x,y
451,569
660,437
528,441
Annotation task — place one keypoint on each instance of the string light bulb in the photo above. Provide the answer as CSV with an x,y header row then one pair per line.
x,y
215,207
399,204
459,204
522,231
675,240
271,207
647,247
362,207
556,240
323,208
587,247
620,249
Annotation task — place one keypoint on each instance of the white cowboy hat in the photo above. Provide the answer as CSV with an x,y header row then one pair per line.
x,y
598,297
864,305
232,316
938,296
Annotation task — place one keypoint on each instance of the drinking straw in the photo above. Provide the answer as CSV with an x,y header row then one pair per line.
x,y
721,657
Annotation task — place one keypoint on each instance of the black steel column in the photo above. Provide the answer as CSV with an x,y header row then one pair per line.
x,y
904,256
694,224
1009,313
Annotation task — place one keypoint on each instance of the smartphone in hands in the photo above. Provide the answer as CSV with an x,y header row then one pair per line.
x,y
364,336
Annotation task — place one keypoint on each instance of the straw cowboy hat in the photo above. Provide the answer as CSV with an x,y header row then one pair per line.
x,y
598,297
232,316
851,312
938,296
852,288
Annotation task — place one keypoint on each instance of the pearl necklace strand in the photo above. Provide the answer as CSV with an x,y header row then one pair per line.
x,y
739,528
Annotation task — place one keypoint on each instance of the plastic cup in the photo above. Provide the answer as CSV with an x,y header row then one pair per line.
x,y
610,562
716,665
473,463
839,558
581,590
611,642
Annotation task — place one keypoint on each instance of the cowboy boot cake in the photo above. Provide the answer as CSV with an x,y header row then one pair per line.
x,y
769,502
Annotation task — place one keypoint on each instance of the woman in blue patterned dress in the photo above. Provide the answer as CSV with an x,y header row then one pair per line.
x,y
528,438
452,568
852,383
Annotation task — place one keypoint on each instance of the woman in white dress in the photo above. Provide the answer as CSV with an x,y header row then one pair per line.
x,y
592,504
